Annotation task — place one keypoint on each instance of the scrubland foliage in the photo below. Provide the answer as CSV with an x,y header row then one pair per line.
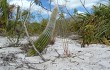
x,y
93,27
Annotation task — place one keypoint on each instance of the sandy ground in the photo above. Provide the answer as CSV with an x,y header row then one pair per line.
x,y
92,57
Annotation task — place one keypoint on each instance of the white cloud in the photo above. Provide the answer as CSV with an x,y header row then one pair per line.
x,y
80,12
76,3
24,5
71,4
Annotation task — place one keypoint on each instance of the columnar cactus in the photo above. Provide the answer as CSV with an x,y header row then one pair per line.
x,y
45,37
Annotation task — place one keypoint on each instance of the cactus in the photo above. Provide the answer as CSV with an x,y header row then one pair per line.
x,y
45,38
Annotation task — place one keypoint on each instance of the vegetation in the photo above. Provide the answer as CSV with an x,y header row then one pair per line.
x,y
92,27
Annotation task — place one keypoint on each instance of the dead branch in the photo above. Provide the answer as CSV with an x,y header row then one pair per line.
x,y
30,41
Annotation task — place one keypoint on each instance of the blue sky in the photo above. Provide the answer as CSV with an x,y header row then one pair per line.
x,y
40,13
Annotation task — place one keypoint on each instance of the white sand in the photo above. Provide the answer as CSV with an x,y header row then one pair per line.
x,y
93,57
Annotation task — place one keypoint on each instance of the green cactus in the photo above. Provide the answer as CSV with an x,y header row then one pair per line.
x,y
45,38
